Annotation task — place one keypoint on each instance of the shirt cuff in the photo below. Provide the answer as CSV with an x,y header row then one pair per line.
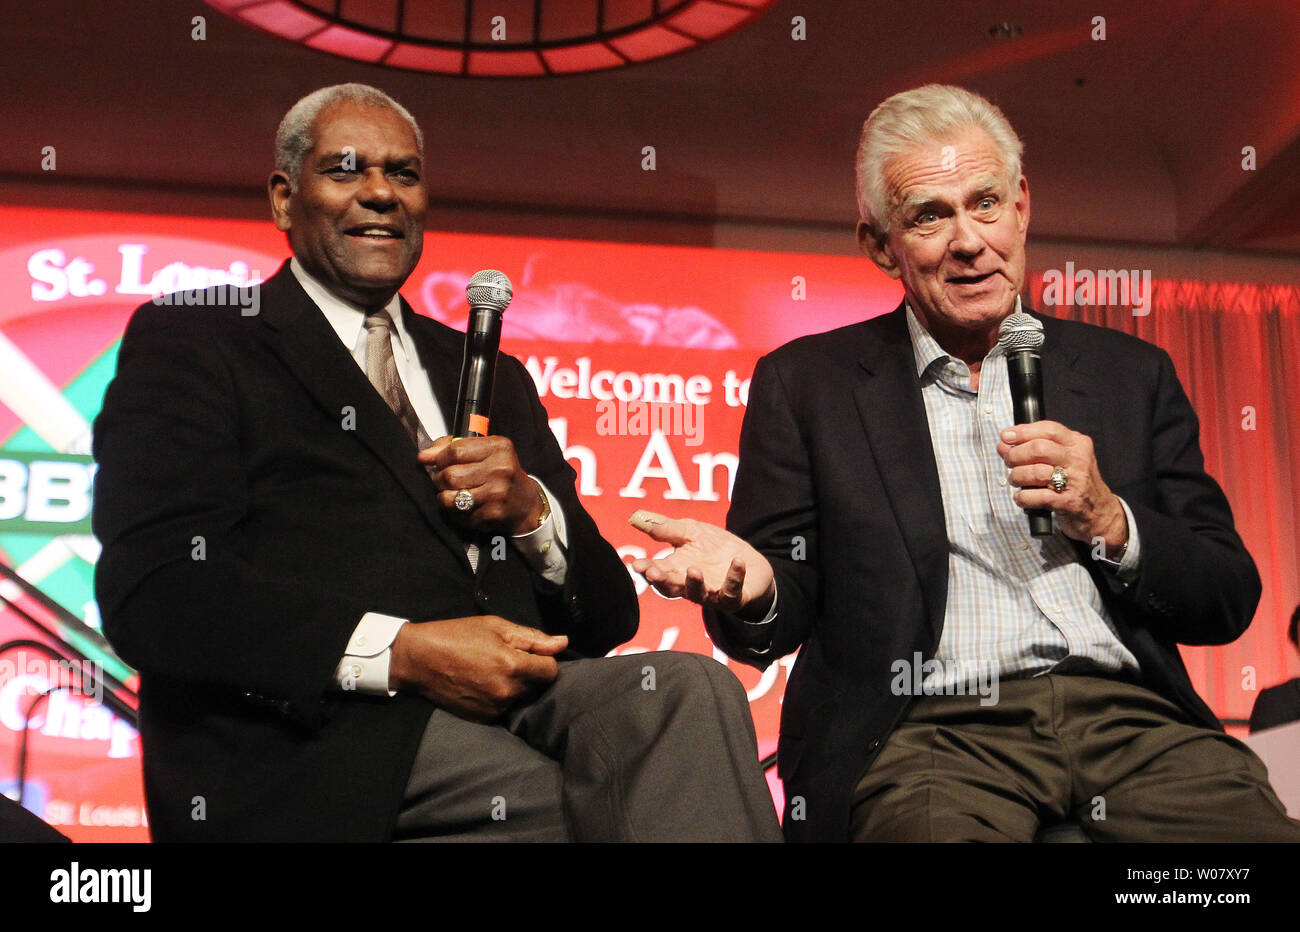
x,y
771,612
1128,562
751,634
364,667
544,547
1124,571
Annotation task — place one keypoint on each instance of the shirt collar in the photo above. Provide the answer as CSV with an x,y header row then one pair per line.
x,y
925,348
347,319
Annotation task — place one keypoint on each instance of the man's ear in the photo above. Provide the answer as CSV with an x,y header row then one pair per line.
x,y
280,190
876,246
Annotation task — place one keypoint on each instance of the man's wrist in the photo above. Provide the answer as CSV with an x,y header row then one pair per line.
x,y
1116,539
398,678
536,518
758,610
1123,561
543,547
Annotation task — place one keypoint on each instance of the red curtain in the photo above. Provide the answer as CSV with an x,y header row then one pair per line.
x,y
1237,350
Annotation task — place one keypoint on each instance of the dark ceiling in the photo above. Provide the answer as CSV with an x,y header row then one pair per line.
x,y
1137,138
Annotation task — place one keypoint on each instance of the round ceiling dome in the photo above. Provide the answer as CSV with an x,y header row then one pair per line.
x,y
498,38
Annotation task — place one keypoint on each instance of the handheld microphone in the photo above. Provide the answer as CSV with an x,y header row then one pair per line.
x,y
489,292
1021,336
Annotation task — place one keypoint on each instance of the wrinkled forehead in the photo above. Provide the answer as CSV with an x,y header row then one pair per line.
x,y
366,128
956,166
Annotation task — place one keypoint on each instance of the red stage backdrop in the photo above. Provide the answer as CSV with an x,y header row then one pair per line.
x,y
641,354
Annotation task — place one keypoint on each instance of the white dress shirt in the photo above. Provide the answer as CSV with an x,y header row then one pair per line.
x,y
364,667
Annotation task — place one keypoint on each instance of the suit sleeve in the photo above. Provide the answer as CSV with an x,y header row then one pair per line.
x,y
1268,711
597,606
177,598
1197,583
773,506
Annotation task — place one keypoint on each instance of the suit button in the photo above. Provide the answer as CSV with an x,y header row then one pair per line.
x,y
481,596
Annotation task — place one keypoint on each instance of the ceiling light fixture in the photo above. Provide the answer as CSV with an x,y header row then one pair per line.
x,y
498,38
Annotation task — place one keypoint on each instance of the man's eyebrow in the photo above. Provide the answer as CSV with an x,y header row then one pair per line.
x,y
987,184
916,201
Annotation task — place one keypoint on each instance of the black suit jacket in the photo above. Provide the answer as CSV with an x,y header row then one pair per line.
x,y
1276,705
837,486
255,497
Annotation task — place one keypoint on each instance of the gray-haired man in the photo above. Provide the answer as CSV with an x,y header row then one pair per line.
x,y
346,630
879,527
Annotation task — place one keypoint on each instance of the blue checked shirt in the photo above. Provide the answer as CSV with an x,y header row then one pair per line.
x,y
1017,605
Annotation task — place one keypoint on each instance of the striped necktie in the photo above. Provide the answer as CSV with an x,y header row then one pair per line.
x,y
381,369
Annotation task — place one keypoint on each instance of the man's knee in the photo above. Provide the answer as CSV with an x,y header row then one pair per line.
x,y
688,675
928,807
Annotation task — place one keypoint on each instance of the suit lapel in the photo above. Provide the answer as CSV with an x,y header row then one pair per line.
x,y
1069,391
310,349
440,359
893,415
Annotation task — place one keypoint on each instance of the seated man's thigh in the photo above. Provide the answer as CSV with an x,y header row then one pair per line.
x,y
1189,783
675,678
655,747
473,782
930,785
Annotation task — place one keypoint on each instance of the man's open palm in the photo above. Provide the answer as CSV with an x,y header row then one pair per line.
x,y
709,565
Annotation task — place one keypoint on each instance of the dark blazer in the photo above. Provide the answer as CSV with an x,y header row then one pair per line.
x,y
255,497
19,825
1276,705
835,450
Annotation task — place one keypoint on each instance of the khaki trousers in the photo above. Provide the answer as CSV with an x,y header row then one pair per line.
x,y
1124,762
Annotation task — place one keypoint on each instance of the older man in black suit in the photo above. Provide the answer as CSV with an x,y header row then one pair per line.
x,y
347,630
959,679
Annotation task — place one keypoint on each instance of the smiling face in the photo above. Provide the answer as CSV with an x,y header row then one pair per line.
x,y
956,238
356,217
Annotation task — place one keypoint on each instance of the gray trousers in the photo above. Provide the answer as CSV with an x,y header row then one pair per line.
x,y
643,747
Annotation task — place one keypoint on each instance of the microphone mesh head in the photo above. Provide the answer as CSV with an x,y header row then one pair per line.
x,y
489,288
1020,332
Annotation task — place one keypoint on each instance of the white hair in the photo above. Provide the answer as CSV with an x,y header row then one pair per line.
x,y
913,118
294,139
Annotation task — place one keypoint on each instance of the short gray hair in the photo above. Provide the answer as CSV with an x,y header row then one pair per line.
x,y
294,139
913,118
